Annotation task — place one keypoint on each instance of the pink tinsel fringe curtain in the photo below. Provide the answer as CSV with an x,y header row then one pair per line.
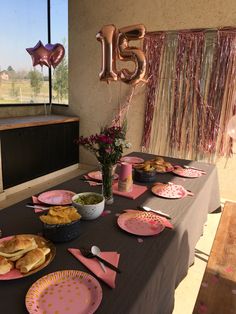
x,y
153,47
190,93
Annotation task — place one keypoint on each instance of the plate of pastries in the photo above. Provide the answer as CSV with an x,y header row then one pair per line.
x,y
24,254
148,170
157,164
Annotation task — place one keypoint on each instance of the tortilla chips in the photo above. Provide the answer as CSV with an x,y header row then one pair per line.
x,y
60,215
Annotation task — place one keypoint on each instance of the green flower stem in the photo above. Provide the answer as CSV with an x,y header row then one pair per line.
x,y
107,178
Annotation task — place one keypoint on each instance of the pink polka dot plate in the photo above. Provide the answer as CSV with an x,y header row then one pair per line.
x,y
66,291
170,190
140,223
188,172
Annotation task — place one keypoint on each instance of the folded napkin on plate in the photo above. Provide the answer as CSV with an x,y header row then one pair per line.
x,y
37,202
90,181
166,222
136,192
93,265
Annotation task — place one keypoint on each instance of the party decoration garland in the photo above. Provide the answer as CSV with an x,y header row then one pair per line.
x,y
190,93
153,48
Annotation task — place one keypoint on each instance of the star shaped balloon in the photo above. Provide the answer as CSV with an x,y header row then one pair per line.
x,y
49,55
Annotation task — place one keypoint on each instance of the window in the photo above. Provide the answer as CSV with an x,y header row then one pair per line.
x,y
24,23
59,34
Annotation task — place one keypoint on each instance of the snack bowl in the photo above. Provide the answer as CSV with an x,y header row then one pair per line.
x,y
89,205
61,223
61,232
145,176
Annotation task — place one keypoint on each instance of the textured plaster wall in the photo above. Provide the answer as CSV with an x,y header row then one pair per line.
x,y
95,101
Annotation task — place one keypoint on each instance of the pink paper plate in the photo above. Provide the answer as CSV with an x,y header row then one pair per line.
x,y
170,190
188,173
132,160
170,169
97,175
41,242
140,223
66,291
56,197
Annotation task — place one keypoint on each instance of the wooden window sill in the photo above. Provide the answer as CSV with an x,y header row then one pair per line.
x,y
29,121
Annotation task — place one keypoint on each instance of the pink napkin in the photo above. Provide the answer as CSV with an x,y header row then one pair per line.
x,y
92,264
90,182
166,222
136,192
37,202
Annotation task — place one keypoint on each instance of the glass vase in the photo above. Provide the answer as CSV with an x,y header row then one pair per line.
x,y
107,178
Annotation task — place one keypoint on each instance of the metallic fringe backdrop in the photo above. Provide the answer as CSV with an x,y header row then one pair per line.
x,y
190,93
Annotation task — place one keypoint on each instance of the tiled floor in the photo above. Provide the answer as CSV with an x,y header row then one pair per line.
x,y
187,291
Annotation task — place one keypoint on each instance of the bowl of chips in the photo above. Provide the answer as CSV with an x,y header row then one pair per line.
x,y
90,205
61,223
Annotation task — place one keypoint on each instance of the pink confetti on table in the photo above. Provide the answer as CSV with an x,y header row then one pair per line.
x,y
215,279
229,269
106,212
140,240
202,308
204,284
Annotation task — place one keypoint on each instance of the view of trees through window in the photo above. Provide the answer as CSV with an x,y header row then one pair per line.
x,y
25,23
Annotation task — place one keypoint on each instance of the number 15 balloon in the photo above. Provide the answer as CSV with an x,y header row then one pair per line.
x,y
115,45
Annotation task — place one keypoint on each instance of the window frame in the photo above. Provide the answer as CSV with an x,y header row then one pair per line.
x,y
49,74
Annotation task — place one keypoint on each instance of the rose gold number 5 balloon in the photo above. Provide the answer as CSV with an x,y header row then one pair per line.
x,y
126,53
115,45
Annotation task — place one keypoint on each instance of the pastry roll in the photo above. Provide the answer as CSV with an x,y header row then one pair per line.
x,y
17,247
159,159
18,243
5,265
32,259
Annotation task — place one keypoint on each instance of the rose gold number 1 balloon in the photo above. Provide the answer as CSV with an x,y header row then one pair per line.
x,y
107,37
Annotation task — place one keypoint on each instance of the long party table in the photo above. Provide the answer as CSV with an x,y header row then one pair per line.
x,y
152,267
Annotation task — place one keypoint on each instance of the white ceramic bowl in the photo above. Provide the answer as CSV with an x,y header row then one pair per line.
x,y
91,211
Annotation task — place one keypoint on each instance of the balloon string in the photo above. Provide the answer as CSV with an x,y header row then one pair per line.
x,y
109,94
45,104
50,103
122,114
119,100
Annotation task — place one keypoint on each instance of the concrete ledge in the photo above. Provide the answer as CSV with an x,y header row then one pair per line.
x,y
27,189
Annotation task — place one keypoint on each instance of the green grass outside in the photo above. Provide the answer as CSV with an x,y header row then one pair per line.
x,y
22,92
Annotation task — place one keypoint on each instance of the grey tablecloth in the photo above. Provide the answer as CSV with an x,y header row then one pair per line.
x,y
151,270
